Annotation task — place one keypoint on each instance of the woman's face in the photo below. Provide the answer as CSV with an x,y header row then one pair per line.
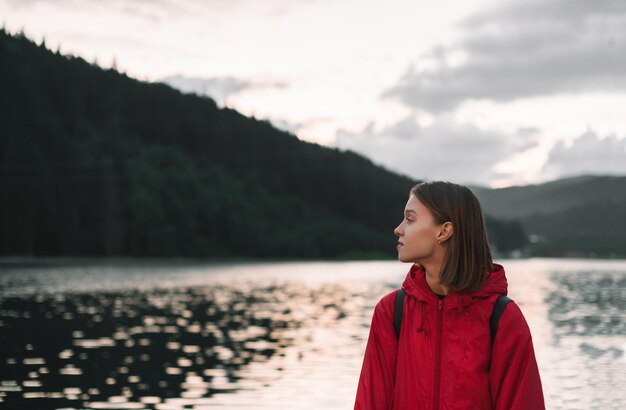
x,y
418,232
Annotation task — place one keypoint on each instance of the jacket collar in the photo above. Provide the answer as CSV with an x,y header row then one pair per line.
x,y
416,286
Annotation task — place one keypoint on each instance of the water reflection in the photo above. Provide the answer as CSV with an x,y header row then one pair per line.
x,y
588,303
144,349
267,336
587,309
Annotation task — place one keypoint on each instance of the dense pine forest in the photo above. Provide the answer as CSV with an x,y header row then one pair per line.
x,y
94,163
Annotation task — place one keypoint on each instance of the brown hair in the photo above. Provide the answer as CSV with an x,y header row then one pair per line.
x,y
468,256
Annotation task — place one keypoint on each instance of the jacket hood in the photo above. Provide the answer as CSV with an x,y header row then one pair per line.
x,y
415,285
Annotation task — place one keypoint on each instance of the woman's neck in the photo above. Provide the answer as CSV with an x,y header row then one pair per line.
x,y
432,279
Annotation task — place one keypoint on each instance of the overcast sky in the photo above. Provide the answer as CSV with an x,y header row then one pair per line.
x,y
484,92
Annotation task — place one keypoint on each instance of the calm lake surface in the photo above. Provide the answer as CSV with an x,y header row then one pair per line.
x,y
171,335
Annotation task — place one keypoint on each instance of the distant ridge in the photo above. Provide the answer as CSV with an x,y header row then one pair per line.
x,y
577,216
521,201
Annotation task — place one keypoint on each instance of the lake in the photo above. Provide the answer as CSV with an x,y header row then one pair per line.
x,y
190,335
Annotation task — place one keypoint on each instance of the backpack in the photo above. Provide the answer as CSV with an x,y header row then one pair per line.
x,y
498,309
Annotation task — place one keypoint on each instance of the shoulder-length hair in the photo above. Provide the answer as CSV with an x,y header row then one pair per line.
x,y
468,257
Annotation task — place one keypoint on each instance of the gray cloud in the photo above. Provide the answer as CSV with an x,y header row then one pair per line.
x,y
444,150
219,88
527,131
525,49
588,154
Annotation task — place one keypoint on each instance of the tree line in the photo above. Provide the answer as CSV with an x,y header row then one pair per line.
x,y
95,163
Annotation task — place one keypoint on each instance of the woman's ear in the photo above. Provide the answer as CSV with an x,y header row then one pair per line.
x,y
445,232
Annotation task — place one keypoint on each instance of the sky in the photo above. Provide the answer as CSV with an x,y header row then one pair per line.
x,y
484,92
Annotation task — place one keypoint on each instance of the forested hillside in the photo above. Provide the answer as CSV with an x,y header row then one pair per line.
x,y
95,163
580,216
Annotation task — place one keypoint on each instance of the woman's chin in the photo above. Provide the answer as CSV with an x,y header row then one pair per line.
x,y
406,259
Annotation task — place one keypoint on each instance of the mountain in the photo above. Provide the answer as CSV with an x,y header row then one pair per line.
x,y
93,162
579,216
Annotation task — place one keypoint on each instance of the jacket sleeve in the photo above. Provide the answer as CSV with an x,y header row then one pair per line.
x,y
514,376
376,383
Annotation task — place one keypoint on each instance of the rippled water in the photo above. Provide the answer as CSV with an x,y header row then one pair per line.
x,y
269,335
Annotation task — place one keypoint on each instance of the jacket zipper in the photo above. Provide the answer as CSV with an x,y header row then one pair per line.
x,y
438,349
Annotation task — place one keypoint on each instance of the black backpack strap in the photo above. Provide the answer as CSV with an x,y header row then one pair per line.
x,y
498,309
398,311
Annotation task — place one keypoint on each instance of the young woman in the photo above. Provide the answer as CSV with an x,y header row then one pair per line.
x,y
443,357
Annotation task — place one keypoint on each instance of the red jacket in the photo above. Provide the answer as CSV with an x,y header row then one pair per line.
x,y
444,358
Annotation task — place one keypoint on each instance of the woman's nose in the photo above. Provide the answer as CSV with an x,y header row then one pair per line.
x,y
397,231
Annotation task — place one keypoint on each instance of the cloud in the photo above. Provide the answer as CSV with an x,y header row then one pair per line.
x,y
219,88
444,150
524,49
79,3
155,11
587,154
175,7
